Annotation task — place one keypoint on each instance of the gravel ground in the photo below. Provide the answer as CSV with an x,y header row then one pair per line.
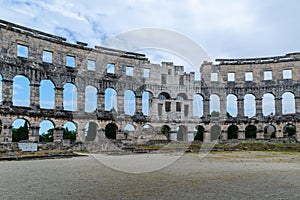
x,y
237,175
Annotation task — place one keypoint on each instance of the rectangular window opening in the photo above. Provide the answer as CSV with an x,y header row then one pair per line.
x,y
168,106
214,76
178,107
287,74
70,61
267,75
129,71
91,65
47,56
160,106
249,76
146,73
110,68
22,51
231,76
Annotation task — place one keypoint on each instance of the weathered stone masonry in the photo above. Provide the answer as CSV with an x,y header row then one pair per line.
x,y
171,89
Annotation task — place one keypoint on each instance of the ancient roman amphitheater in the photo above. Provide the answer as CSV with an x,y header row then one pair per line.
x,y
165,97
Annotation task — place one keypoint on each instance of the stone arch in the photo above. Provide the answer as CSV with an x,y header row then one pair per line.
x,y
129,130
164,96
288,103
182,133
215,105
215,132
182,96
110,99
289,130
269,131
46,131
20,129
268,104
70,97
198,105
249,105
231,105
199,133
232,132
90,99
111,131
70,131
90,131
165,130
21,91
129,102
47,94
250,131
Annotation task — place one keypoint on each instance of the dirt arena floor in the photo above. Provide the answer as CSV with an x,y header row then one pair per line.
x,y
225,175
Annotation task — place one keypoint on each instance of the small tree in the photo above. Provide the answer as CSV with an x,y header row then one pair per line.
x,y
20,133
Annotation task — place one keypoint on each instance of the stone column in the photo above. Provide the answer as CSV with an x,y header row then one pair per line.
x,y
34,133
259,107
59,99
138,105
240,107
80,100
58,134
120,104
206,110
278,106
101,102
7,87
223,110
297,104
35,95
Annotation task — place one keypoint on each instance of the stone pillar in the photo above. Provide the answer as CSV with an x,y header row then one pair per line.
x,y
80,100
138,105
35,95
240,107
120,104
223,110
59,99
7,87
6,132
101,101
259,107
297,102
58,134
206,110
241,132
34,133
278,106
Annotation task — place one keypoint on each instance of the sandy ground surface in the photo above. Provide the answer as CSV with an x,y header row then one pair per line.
x,y
237,175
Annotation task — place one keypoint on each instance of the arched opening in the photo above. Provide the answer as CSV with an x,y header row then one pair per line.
x,y
182,97
165,130
231,106
250,131
269,131
215,132
20,130
289,130
90,99
232,132
288,103
249,105
214,105
129,102
70,97
69,132
90,131
129,131
146,102
164,96
47,94
199,133
110,99
198,105
182,133
268,104
21,91
46,131
111,130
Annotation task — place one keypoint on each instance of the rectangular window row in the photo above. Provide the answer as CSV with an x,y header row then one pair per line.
x,y
22,51
286,74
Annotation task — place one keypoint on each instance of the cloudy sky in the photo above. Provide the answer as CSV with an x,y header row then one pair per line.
x,y
224,28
